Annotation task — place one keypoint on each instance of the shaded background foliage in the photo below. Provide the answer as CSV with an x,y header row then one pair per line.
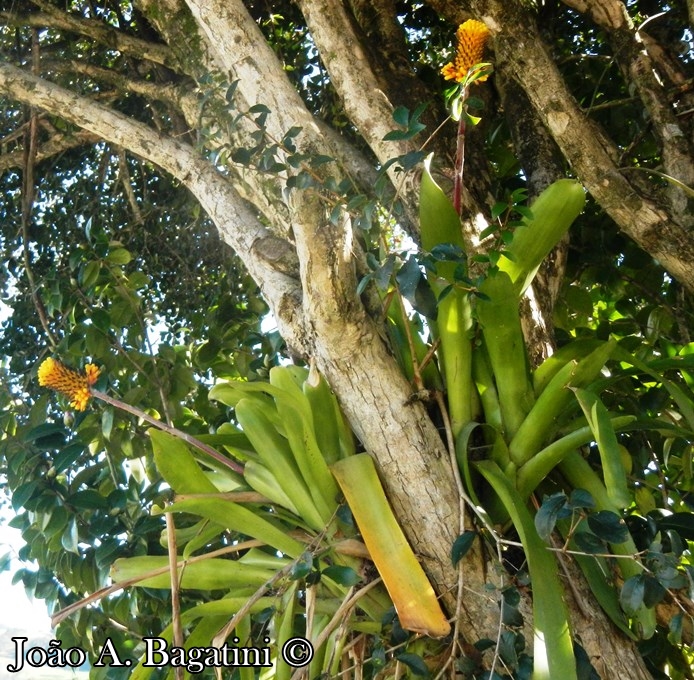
x,y
133,276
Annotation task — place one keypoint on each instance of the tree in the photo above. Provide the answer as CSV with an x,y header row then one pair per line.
x,y
298,130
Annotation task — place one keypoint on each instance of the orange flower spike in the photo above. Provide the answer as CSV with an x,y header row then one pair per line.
x,y
75,386
92,372
472,36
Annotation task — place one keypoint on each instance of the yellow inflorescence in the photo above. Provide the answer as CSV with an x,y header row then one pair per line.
x,y
72,384
472,36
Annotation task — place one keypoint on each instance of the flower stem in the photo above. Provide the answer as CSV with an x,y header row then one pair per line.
x,y
460,157
189,439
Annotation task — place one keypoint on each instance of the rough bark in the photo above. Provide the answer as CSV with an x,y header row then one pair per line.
x,y
639,69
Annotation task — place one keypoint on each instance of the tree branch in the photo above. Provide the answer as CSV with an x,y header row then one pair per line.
x,y
227,43
238,224
639,69
239,47
52,17
182,95
230,43
593,156
54,146
366,103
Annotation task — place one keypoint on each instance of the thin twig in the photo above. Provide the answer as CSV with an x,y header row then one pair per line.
x,y
174,576
121,585
430,353
347,605
461,527
416,374
124,176
174,580
189,439
567,551
224,633
28,195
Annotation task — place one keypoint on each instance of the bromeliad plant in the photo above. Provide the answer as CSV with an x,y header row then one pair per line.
x,y
484,367
531,425
292,562
534,425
